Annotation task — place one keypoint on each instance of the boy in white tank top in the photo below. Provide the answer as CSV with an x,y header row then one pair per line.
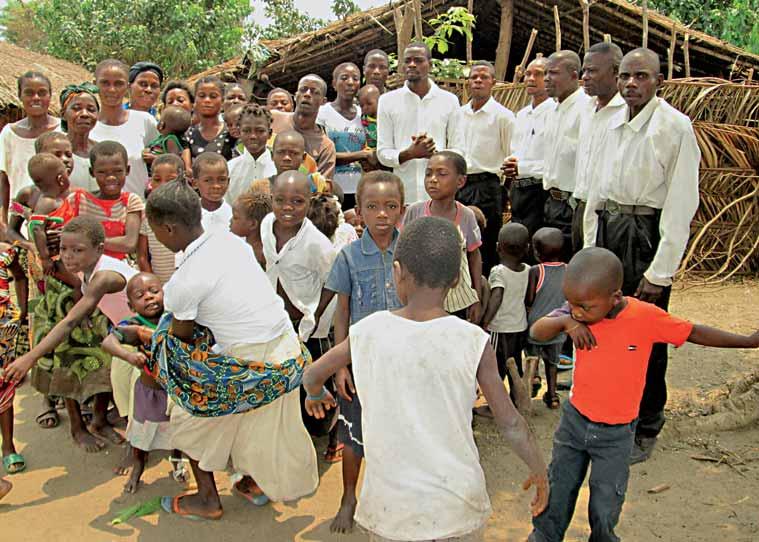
x,y
416,388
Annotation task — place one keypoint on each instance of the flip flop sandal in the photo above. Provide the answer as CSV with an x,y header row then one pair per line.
x,y
566,363
551,402
14,463
256,500
334,454
171,505
50,414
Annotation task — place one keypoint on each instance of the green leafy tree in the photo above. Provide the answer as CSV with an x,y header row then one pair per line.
x,y
287,21
183,36
343,8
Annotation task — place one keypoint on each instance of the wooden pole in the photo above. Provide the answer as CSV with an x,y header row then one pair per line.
x,y
607,38
527,52
645,23
671,53
418,35
686,52
585,25
504,39
557,25
470,8
404,26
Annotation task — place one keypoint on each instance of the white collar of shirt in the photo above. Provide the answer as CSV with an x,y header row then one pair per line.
x,y
616,102
263,159
569,101
490,107
432,93
639,121
542,107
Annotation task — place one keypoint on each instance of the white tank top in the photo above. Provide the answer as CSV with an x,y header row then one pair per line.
x,y
417,384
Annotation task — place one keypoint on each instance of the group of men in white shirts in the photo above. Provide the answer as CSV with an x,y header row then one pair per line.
x,y
595,154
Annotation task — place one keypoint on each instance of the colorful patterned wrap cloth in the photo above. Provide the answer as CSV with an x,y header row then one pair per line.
x,y
206,384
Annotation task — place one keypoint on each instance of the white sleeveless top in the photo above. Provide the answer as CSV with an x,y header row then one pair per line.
x,y
423,476
115,306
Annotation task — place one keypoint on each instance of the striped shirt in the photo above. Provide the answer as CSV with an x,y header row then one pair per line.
x,y
161,258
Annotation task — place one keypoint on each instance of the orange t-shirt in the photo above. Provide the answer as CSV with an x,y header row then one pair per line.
x,y
608,380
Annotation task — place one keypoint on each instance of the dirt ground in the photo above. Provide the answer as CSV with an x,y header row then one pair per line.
x,y
66,494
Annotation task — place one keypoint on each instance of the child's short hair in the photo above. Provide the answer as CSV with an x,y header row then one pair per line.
x,y
596,267
429,248
89,226
174,203
323,213
108,148
171,85
482,222
548,243
170,158
206,158
46,138
254,111
379,176
40,164
210,80
289,134
176,119
112,63
367,90
458,161
254,204
514,238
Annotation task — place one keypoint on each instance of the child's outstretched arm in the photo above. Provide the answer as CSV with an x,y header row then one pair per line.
x,y
709,336
103,282
112,346
514,428
319,399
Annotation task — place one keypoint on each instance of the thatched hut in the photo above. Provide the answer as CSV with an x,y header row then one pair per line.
x,y
17,60
502,33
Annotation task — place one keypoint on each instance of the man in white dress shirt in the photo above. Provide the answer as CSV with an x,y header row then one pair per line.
x,y
525,166
413,122
561,134
599,77
483,133
646,198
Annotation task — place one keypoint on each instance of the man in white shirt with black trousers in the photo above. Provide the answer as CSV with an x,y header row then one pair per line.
x,y
483,133
641,206
414,121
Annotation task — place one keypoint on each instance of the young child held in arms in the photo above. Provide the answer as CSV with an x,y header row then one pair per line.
x,y
613,336
255,162
231,116
152,256
506,315
368,98
298,256
416,371
148,427
247,213
211,179
544,294
446,173
379,197
119,212
174,123
103,284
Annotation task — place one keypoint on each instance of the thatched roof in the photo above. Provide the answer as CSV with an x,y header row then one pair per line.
x,y
17,60
349,39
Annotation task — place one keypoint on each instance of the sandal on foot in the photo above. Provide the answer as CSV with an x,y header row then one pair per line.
x,y
552,402
256,500
171,505
44,417
334,454
14,463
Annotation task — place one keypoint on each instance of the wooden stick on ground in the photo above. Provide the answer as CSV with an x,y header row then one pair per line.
x,y
557,25
519,71
504,39
523,384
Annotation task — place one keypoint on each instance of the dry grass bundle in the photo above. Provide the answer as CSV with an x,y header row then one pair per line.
x,y
714,100
727,146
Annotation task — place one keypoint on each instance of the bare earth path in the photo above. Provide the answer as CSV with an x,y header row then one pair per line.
x,y
68,495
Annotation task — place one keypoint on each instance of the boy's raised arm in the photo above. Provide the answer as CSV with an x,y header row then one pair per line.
x,y
513,427
709,336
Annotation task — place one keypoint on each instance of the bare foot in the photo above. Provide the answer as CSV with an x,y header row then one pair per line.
x,y
343,522
84,439
195,504
5,488
126,462
133,484
106,432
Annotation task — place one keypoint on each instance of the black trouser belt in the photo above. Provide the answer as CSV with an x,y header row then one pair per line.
x,y
615,208
527,181
561,195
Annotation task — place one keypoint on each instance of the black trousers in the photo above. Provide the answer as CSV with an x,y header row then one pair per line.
x,y
634,239
527,203
578,228
484,190
558,214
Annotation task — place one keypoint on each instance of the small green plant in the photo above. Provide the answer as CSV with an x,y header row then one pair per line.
x,y
456,19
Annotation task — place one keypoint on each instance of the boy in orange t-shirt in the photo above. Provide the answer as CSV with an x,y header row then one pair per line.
x,y
613,336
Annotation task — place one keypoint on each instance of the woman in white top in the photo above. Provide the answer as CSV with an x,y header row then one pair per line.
x,y
341,120
79,114
17,139
133,129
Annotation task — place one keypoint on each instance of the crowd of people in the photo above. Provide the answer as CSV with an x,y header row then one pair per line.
x,y
236,278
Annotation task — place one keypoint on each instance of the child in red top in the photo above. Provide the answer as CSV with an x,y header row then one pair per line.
x,y
613,336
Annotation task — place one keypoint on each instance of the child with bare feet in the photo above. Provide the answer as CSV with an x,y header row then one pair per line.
x,y
148,427
416,370
103,285
544,294
247,213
